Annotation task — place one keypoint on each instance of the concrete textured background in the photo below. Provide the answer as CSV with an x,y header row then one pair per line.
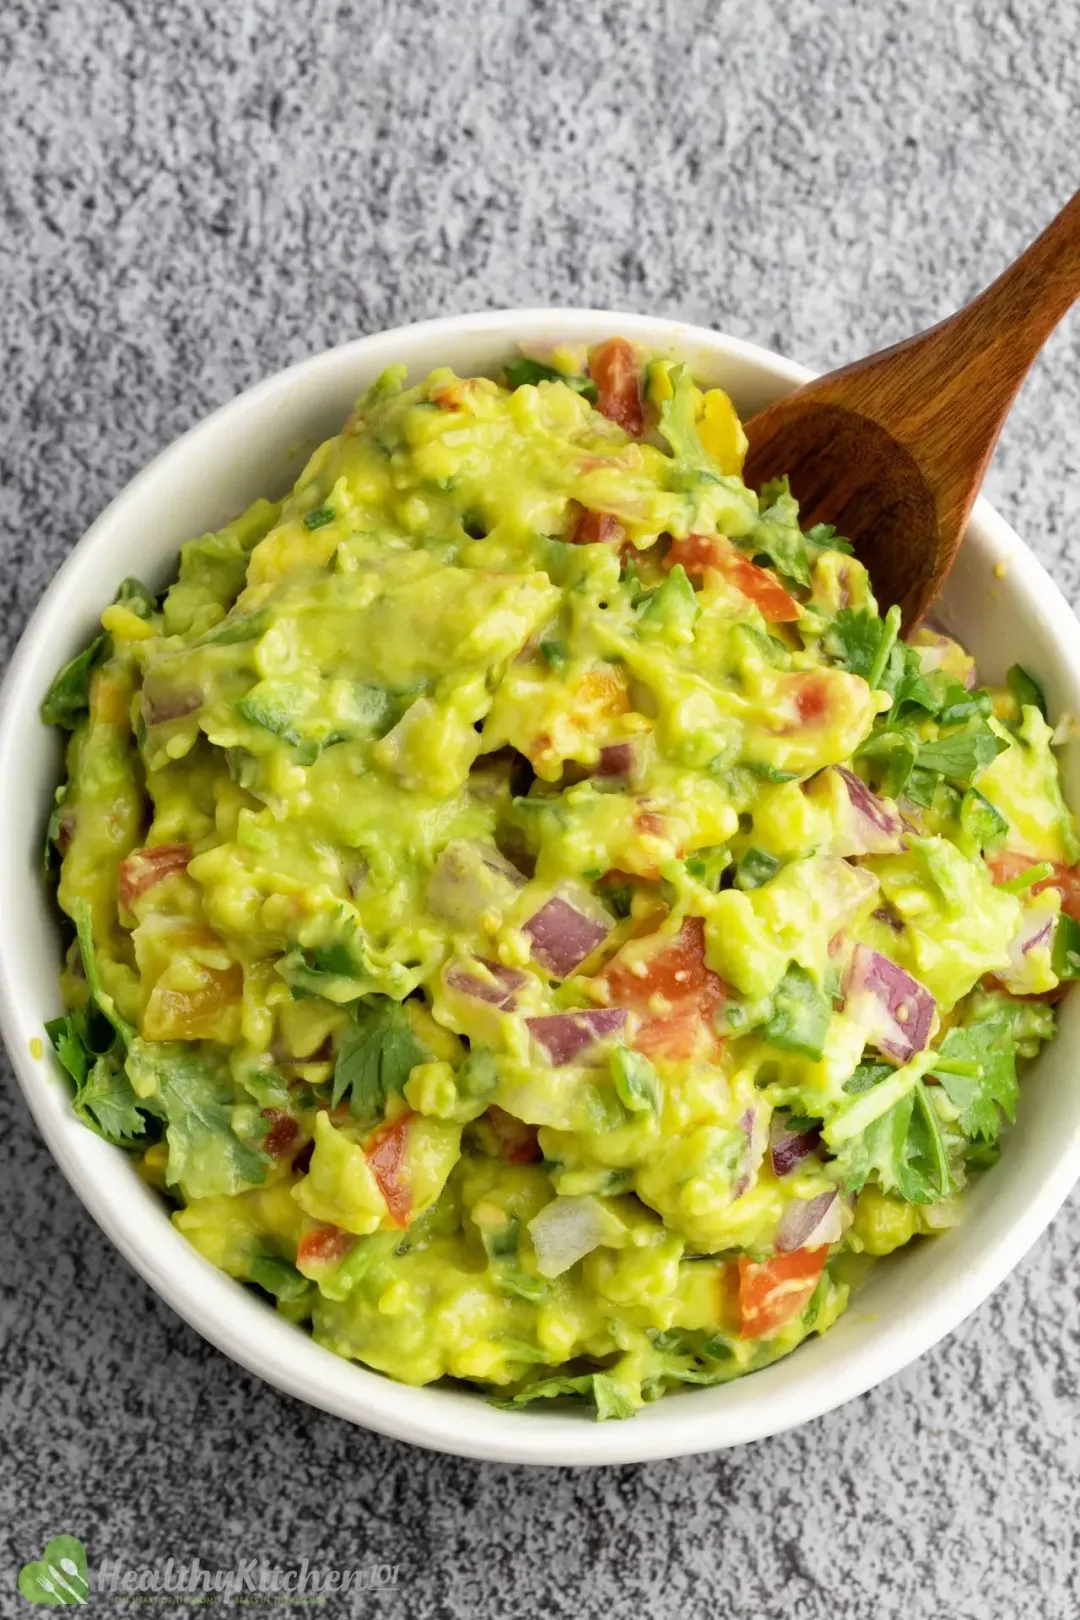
x,y
194,194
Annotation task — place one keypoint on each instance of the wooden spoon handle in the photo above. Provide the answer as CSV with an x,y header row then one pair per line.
x,y
1024,304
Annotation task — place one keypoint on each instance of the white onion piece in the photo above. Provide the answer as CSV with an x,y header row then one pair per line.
x,y
562,936
755,1123
564,1232
807,1223
896,1012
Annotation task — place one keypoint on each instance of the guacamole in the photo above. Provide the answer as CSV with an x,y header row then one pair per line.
x,y
533,917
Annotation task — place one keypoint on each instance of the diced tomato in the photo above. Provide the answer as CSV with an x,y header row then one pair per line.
x,y
673,990
281,1134
1006,864
517,1140
141,870
597,528
614,369
452,396
326,1246
771,1292
700,552
386,1156
811,696
204,1013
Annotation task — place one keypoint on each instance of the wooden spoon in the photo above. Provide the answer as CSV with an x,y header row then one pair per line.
x,y
893,448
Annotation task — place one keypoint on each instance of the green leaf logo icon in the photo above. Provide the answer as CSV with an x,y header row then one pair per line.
x,y
59,1575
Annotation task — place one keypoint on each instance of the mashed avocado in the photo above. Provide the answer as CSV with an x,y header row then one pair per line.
x,y
532,916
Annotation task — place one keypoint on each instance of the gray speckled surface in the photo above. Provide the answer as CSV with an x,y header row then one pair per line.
x,y
191,196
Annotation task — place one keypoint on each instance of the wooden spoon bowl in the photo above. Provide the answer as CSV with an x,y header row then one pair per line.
x,y
893,449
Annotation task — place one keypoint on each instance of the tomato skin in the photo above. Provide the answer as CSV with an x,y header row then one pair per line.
x,y
677,972
326,1246
771,1292
614,369
700,553
517,1140
146,867
597,528
1006,864
385,1152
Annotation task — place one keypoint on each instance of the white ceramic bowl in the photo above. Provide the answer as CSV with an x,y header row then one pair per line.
x,y
999,601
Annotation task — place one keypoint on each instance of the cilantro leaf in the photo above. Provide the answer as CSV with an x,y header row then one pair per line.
x,y
989,1043
68,698
866,1076
691,462
106,1102
960,754
134,595
609,1398
520,372
377,1052
903,1150
1026,689
981,822
191,1090
777,535
84,928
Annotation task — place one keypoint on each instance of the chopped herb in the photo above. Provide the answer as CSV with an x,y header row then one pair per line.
x,y
377,1052
637,1083
800,1017
708,865
981,822
554,653
1026,689
321,516
68,698
755,868
525,371
1065,956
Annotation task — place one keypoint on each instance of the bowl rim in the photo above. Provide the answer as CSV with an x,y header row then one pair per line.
x,y
224,1311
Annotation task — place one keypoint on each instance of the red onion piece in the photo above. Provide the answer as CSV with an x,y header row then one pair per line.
x,y
872,829
754,1123
789,1148
617,759
562,937
807,1223
157,707
500,989
896,1011
469,880
565,1036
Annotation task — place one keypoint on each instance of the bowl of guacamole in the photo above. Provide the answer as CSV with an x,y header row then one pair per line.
x,y
528,936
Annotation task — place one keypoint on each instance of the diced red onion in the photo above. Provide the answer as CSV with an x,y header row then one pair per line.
x,y
895,1010
469,880
617,760
564,1232
500,989
565,1036
754,1123
889,918
562,936
1036,929
872,828
807,1223
789,1148
157,707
